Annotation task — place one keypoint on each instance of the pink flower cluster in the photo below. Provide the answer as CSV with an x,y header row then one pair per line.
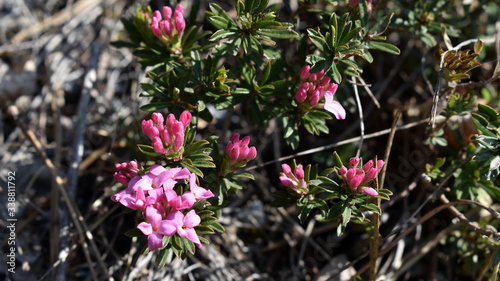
x,y
358,178
237,151
168,28
154,194
294,181
315,87
126,171
167,139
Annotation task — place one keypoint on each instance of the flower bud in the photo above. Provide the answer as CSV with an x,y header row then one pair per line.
x,y
299,172
314,98
157,118
342,171
286,169
235,137
332,88
301,95
353,162
167,13
380,164
313,77
252,153
368,165
185,118
304,72
158,145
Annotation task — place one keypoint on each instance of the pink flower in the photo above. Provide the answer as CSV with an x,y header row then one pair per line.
x,y
168,138
313,89
237,153
126,171
167,29
294,181
334,106
357,179
184,225
155,228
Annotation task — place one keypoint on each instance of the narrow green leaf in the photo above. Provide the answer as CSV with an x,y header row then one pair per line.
x,y
372,207
163,257
278,33
223,34
346,214
244,176
218,227
148,150
188,245
134,232
385,47
337,77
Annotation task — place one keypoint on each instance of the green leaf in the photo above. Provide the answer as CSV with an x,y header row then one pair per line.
x,y
148,150
154,106
223,34
218,227
488,112
372,207
163,257
277,33
188,245
195,146
244,176
337,77
317,39
346,214
134,232
481,124
385,47
204,229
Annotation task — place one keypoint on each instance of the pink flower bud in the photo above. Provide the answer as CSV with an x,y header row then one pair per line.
x,y
157,118
185,118
286,181
252,153
313,77
380,164
320,75
370,191
149,129
178,141
353,162
350,174
179,8
179,23
166,137
304,72
325,81
304,86
120,177
286,169
355,181
367,166
234,153
332,88
156,29
371,174
158,145
301,95
342,171
235,137
314,98
299,172
167,13
244,150
166,28
245,141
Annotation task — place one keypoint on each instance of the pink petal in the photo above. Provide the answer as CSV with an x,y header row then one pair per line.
x,y
334,106
167,228
370,191
191,219
175,219
155,241
191,235
153,216
145,227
